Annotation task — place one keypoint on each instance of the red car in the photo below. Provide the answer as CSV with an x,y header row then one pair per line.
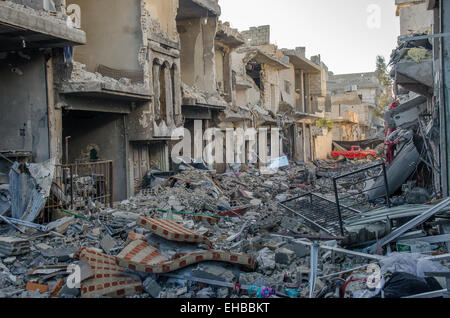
x,y
355,153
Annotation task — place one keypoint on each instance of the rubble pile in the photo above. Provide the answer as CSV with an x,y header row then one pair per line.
x,y
51,14
195,234
197,96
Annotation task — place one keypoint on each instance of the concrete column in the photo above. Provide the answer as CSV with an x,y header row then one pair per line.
x,y
208,77
307,93
445,104
302,91
169,96
177,93
54,116
156,90
228,79
304,142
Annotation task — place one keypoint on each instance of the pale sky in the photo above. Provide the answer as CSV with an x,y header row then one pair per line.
x,y
338,30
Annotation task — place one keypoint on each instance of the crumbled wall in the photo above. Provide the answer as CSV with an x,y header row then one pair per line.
x,y
415,18
287,85
163,14
271,88
323,144
197,54
257,35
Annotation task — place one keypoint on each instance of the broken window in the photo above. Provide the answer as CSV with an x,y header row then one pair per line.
x,y
254,71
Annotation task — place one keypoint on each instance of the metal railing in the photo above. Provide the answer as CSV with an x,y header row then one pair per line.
x,y
328,216
321,213
79,186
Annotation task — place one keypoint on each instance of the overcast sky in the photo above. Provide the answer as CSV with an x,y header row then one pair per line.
x,y
347,33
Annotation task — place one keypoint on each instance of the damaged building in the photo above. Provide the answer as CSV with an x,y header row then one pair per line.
x,y
417,115
354,106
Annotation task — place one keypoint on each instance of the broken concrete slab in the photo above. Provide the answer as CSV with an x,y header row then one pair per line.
x,y
61,225
214,272
397,172
299,249
107,243
266,259
62,254
13,246
284,256
407,114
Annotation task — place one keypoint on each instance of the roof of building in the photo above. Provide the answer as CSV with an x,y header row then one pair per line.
x,y
361,80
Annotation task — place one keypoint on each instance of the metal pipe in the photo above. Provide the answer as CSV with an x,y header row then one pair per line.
x,y
313,268
411,224
386,184
341,225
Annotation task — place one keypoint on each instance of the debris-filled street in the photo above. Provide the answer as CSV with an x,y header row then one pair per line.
x,y
202,234
188,159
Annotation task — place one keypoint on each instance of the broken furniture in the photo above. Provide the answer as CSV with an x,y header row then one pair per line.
x,y
109,279
12,246
362,177
397,172
319,212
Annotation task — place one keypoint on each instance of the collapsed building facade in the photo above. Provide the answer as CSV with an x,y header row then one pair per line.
x,y
416,125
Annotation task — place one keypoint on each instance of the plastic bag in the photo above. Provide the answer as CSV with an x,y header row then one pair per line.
x,y
405,284
412,263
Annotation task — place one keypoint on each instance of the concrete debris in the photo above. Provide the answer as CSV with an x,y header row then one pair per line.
x,y
151,287
10,246
107,243
214,273
284,256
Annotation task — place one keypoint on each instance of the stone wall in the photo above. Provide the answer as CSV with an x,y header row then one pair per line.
x,y
256,36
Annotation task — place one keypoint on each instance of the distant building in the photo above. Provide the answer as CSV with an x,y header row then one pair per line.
x,y
353,106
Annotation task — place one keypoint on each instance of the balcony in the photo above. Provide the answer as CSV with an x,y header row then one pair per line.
x,y
25,28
